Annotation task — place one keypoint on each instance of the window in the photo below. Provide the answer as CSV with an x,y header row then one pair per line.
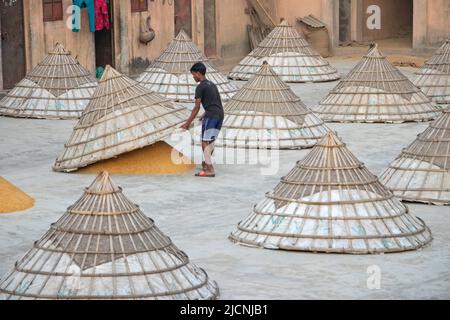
x,y
139,5
53,10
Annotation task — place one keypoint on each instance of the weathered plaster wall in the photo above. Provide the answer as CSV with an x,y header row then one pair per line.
x,y
132,56
438,21
40,37
396,19
232,37
431,26
431,23
293,9
325,10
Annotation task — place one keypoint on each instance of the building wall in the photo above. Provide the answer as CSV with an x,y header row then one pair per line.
x,y
325,10
396,19
131,55
431,23
232,37
41,37
438,21
293,9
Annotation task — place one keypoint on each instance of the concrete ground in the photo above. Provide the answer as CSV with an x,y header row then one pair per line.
x,y
199,215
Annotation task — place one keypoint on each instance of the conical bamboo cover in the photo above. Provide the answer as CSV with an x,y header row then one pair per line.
x,y
105,248
330,202
434,77
376,91
421,173
57,88
266,113
291,57
122,116
170,74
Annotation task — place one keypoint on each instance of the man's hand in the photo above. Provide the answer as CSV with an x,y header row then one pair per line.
x,y
186,126
194,113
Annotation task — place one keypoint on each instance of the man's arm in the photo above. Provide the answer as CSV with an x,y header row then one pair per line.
x,y
194,113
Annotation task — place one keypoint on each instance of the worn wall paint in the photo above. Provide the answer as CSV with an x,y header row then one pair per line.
x,y
293,9
162,21
438,29
40,37
431,25
232,37
396,19
130,54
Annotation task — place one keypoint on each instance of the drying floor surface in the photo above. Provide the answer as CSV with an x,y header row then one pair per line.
x,y
199,214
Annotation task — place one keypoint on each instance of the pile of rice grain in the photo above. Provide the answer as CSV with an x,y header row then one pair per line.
x,y
12,199
154,159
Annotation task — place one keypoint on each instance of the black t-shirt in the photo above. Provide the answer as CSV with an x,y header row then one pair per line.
x,y
210,97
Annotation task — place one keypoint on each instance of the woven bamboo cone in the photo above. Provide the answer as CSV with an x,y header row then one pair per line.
x,y
376,91
170,73
57,88
266,113
122,117
434,77
12,199
331,203
291,57
105,248
421,173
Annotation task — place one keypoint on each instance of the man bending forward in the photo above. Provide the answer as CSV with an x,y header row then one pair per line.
x,y
208,96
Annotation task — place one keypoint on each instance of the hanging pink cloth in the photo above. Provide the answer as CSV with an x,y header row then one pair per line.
x,y
101,15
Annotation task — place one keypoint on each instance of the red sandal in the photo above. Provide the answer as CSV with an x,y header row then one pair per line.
x,y
203,174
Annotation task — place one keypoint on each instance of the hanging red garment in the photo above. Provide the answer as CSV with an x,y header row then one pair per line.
x,y
101,15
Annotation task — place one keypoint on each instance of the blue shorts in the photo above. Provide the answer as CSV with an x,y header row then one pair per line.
x,y
210,129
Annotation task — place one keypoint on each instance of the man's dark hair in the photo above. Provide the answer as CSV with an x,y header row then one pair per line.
x,y
199,67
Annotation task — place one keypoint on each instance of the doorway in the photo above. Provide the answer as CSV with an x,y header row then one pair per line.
x,y
344,21
209,15
104,48
13,42
183,16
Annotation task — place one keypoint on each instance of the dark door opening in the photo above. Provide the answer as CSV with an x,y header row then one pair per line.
x,y
183,16
210,27
13,42
344,20
104,49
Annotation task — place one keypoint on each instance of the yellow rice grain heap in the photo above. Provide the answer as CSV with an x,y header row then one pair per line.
x,y
154,159
12,199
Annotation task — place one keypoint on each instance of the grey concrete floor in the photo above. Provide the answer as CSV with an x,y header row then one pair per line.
x,y
199,215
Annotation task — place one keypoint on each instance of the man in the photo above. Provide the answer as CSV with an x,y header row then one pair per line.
x,y
208,96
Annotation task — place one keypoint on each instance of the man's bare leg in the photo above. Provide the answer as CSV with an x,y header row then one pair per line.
x,y
208,150
204,165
